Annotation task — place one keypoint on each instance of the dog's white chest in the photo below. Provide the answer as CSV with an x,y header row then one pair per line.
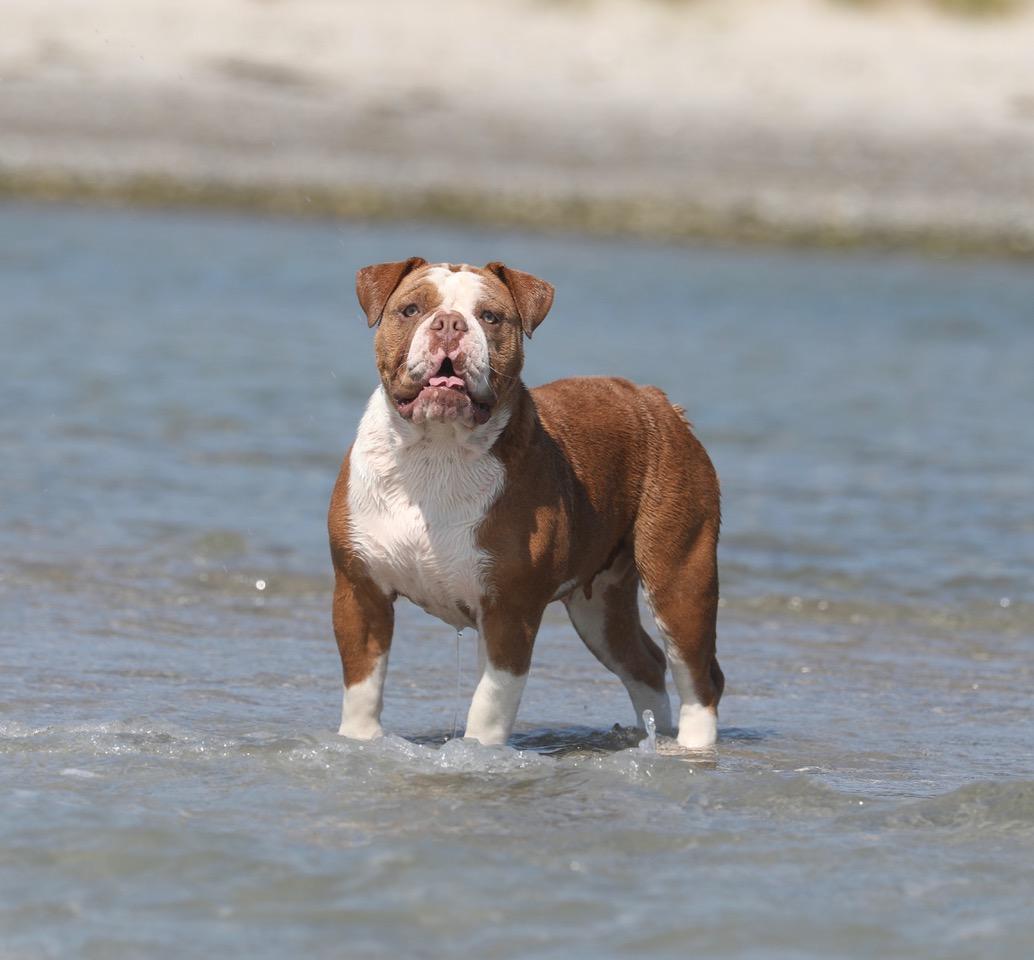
x,y
416,499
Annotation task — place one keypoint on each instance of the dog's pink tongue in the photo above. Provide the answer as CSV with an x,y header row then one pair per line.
x,y
453,383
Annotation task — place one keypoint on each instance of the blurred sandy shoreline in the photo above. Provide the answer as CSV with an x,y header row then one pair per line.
x,y
784,120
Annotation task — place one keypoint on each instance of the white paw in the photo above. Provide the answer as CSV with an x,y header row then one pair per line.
x,y
698,727
488,735
361,730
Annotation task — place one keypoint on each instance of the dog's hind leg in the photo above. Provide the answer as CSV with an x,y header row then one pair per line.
x,y
606,616
682,590
676,554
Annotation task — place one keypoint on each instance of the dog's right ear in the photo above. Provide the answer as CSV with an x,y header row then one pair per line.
x,y
376,283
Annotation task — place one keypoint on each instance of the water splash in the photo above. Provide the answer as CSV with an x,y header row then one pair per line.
x,y
456,702
649,744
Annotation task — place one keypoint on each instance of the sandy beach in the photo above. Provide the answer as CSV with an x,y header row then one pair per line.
x,y
787,120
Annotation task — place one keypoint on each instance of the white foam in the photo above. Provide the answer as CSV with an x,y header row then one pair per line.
x,y
459,756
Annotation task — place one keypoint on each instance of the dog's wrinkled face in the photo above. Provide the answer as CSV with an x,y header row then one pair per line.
x,y
449,346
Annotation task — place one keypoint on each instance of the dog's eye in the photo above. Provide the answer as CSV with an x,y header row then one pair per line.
x,y
490,317
411,311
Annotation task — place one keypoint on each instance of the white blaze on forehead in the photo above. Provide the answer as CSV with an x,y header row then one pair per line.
x,y
460,289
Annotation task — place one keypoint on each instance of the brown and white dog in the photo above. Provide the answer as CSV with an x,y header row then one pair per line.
x,y
482,501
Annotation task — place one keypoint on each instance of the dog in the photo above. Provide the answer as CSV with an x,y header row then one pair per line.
x,y
482,501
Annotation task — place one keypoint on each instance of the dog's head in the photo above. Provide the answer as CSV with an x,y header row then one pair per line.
x,y
449,341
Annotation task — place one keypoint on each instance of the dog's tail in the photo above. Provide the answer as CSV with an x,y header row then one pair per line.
x,y
681,411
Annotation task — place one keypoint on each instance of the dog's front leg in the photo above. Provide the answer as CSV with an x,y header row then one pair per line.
x,y
506,637
364,619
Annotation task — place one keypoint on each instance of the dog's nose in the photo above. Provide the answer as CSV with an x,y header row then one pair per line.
x,y
450,320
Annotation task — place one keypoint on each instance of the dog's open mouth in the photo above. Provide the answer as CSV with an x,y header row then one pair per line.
x,y
444,397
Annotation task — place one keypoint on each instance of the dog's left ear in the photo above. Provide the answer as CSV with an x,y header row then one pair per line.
x,y
376,283
533,296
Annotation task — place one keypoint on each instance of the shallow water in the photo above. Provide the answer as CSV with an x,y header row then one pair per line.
x,y
178,391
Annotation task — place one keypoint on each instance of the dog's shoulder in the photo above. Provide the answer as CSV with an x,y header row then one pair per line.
x,y
611,408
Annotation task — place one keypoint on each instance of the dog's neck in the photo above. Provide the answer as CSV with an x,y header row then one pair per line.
x,y
446,439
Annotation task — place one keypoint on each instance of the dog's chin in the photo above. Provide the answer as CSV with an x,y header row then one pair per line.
x,y
444,404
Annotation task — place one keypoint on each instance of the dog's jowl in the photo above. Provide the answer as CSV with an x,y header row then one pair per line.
x,y
483,501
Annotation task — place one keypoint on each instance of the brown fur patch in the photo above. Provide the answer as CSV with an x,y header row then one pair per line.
x,y
596,468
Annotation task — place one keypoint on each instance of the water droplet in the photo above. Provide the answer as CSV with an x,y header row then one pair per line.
x,y
260,584
456,704
649,745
